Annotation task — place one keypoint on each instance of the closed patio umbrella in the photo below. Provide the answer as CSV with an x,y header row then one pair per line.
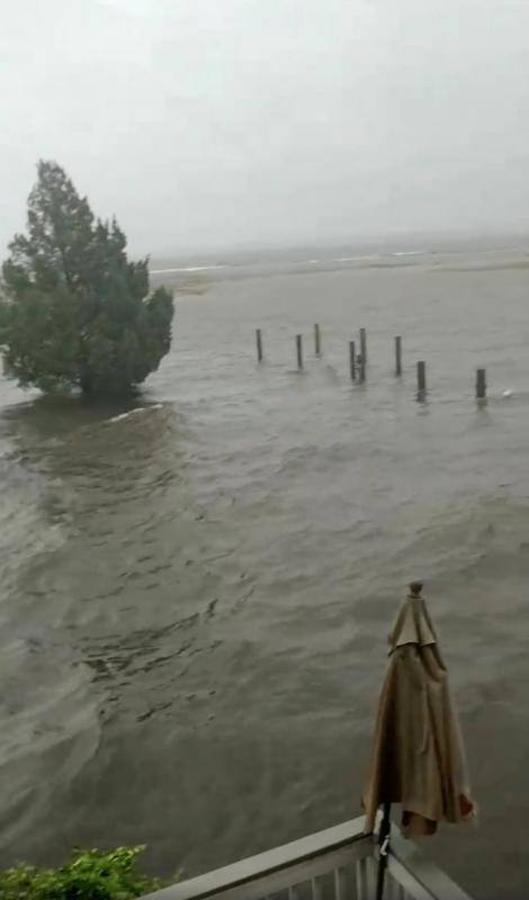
x,y
418,756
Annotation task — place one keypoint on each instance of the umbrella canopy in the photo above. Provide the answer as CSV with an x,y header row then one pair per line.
x,y
418,758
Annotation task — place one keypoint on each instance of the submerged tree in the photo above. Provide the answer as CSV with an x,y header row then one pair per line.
x,y
73,310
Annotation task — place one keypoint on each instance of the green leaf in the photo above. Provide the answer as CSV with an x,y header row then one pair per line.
x,y
90,875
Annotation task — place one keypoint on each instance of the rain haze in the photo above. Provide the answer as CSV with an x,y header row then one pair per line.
x,y
205,124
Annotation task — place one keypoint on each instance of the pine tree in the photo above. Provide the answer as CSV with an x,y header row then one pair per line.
x,y
74,311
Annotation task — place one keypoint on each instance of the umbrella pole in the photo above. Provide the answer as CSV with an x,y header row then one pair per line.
x,y
383,844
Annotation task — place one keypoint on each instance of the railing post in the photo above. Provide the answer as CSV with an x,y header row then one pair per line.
x,y
317,893
340,885
361,880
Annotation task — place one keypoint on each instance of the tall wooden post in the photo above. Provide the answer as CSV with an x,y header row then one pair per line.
x,y
352,360
398,356
363,345
299,350
259,340
481,384
317,340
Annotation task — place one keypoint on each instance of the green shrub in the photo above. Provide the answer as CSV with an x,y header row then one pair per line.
x,y
90,875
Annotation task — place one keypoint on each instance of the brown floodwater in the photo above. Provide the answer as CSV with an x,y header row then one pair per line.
x,y
197,584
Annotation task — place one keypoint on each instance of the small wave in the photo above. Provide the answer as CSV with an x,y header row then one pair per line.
x,y
133,412
344,259
188,269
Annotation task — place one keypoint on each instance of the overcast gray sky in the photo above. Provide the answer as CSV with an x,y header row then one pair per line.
x,y
203,123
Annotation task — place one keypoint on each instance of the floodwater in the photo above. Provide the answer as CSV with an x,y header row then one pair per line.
x,y
197,585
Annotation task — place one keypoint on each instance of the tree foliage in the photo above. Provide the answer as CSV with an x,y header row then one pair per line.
x,y
74,311
90,875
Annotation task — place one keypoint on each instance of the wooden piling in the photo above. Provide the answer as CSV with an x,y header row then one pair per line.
x,y
259,341
398,356
317,340
352,360
481,384
299,350
361,368
421,379
363,345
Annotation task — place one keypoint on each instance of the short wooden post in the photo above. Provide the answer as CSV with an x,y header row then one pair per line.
x,y
363,345
352,360
481,384
299,350
259,339
421,379
398,356
317,340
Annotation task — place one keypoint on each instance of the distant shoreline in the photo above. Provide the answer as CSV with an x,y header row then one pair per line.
x,y
196,277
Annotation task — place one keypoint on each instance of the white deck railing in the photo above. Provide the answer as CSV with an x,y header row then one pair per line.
x,y
336,864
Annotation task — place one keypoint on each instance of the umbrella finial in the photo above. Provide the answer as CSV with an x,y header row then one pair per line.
x,y
416,588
